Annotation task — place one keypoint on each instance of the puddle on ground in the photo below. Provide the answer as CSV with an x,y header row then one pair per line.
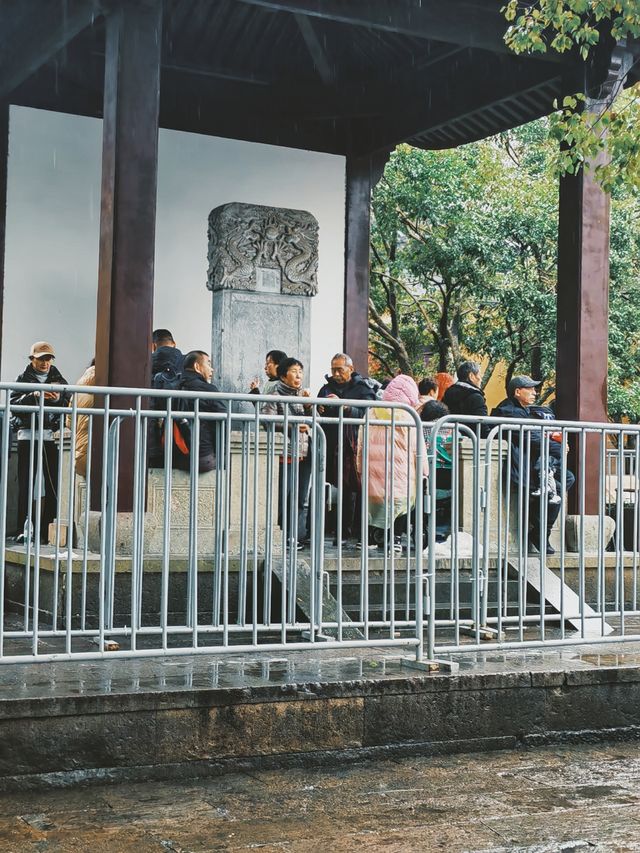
x,y
610,660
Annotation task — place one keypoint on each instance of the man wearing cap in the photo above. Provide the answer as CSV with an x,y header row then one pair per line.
x,y
522,392
40,370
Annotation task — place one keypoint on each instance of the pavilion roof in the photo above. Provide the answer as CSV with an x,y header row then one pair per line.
x,y
341,76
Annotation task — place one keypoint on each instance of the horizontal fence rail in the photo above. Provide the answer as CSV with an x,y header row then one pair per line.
x,y
144,522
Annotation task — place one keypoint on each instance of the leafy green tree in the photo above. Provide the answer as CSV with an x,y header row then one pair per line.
x,y
602,131
464,259
460,241
624,307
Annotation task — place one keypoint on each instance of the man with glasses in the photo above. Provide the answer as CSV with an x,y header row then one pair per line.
x,y
345,384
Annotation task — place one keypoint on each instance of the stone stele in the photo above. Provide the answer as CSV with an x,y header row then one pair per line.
x,y
263,269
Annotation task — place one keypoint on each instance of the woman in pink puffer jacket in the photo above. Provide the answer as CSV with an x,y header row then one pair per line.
x,y
391,490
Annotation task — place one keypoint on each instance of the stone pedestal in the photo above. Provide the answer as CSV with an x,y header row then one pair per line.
x,y
241,494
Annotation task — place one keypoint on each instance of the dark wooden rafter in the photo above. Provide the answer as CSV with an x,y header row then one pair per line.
x,y
475,25
40,31
315,48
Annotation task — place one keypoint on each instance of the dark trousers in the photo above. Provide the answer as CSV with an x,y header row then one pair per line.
x,y
553,511
351,514
49,502
298,515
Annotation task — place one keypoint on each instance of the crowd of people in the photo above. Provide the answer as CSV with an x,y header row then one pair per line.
x,y
379,450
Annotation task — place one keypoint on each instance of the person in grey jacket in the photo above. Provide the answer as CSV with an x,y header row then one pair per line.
x,y
271,362
297,462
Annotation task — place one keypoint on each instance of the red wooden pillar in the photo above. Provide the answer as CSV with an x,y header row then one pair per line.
x,y
128,211
583,318
4,160
362,174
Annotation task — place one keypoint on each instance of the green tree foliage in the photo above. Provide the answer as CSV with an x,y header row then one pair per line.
x,y
464,255
624,306
602,131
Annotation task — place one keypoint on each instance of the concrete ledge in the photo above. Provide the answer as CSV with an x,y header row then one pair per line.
x,y
153,731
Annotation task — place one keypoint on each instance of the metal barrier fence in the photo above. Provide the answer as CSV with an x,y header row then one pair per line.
x,y
532,558
172,523
169,523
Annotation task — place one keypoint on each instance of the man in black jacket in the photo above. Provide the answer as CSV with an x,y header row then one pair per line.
x,y
196,376
345,384
165,354
466,397
40,370
166,373
526,453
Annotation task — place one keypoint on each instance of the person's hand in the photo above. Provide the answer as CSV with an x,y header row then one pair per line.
x,y
303,427
305,392
332,396
254,384
51,395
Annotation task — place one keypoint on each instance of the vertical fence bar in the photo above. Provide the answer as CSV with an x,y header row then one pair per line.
x,y
85,542
70,518
139,469
244,509
226,428
4,479
105,530
254,517
192,565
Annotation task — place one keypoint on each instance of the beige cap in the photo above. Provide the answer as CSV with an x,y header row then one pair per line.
x,y
41,348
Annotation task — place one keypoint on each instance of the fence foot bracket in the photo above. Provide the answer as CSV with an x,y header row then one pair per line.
x,y
484,632
432,665
318,636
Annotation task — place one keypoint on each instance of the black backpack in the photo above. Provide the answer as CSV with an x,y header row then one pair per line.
x,y
166,380
169,380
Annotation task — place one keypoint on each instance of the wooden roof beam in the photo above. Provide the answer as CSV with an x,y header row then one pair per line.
x,y
316,50
472,26
42,31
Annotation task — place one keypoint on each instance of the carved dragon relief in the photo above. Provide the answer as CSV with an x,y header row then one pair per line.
x,y
246,237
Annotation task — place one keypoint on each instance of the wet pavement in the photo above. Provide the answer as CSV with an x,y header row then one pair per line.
x,y
113,675
569,798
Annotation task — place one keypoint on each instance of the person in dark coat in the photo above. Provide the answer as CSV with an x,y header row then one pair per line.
x,y
165,353
166,371
196,376
466,397
40,370
526,457
345,383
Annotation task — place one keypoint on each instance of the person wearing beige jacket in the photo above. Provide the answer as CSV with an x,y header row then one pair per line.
x,y
84,401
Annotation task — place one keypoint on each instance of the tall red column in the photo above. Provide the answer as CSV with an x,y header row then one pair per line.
x,y
583,317
128,211
361,176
